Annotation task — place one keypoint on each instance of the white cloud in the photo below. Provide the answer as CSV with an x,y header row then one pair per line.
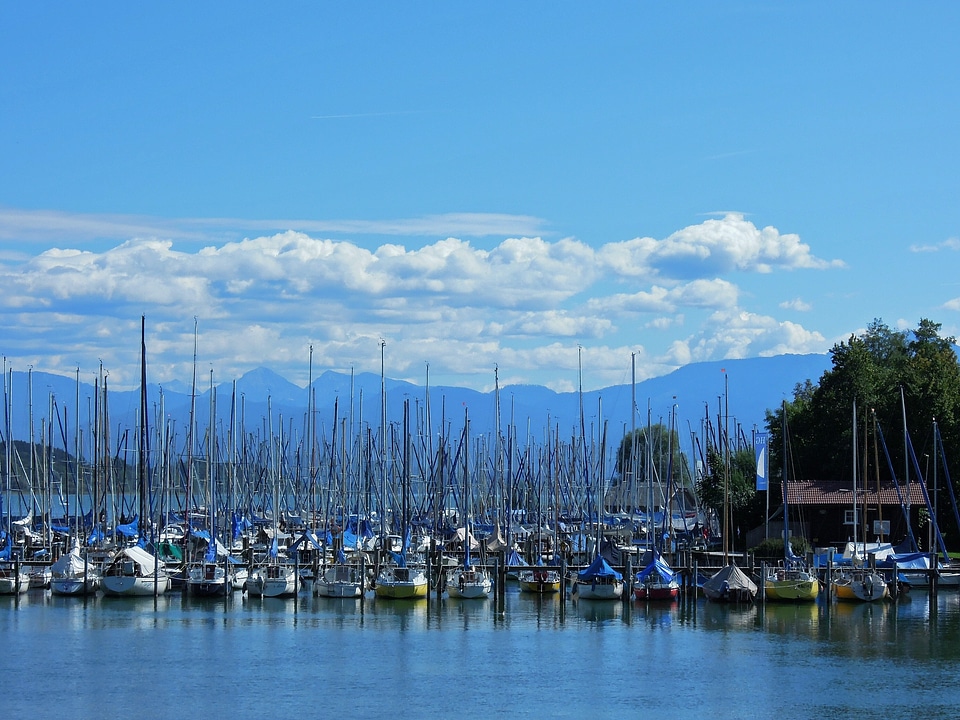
x,y
708,294
54,225
796,304
524,303
739,334
948,244
713,248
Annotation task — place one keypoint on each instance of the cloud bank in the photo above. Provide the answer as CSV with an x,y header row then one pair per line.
x,y
524,304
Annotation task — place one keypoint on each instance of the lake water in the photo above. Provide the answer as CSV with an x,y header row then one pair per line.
x,y
316,657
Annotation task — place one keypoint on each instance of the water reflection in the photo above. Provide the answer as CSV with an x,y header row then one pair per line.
x,y
600,612
918,622
727,617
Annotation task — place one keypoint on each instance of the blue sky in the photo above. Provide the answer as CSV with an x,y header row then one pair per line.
x,y
481,185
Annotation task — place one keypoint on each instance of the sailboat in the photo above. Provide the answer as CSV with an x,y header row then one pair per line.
x,y
275,578
858,582
13,579
598,581
791,581
133,570
467,580
207,577
539,580
657,581
396,578
72,574
341,580
730,584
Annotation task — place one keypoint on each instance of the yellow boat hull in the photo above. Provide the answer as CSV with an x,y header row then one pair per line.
x,y
787,590
402,591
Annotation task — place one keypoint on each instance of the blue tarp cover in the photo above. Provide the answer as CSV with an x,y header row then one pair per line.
x,y
515,559
659,566
599,568
907,561
130,529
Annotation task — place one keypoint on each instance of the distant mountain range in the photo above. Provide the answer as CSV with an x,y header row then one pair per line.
x,y
754,386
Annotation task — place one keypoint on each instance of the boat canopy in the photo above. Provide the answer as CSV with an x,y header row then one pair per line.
x,y
145,560
658,566
730,578
71,563
599,568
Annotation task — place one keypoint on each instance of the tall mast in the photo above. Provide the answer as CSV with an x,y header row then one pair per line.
x,y
856,469
190,430
144,439
726,469
383,444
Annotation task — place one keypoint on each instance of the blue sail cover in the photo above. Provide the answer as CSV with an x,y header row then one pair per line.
x,y
211,554
599,568
307,538
350,538
130,529
239,524
659,566
515,559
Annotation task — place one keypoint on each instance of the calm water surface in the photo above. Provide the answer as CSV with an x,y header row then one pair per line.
x,y
315,657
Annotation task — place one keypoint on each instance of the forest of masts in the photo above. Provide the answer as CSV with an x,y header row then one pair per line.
x,y
319,474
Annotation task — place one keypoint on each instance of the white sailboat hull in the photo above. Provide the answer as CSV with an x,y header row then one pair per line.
x,y
130,585
274,584
13,585
74,585
469,584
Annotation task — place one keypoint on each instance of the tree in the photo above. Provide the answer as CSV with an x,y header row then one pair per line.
x,y
744,501
653,447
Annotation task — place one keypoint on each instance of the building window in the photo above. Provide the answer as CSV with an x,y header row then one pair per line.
x,y
849,517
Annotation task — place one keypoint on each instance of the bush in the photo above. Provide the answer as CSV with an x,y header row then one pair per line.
x,y
771,549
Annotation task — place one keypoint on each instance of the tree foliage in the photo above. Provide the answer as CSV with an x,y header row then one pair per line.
x,y
746,505
652,447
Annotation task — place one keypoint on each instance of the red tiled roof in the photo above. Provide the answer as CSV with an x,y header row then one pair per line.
x,y
840,492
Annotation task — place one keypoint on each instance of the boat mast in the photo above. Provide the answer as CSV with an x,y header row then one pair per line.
x,y
856,463
142,464
726,468
190,430
783,479
383,450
